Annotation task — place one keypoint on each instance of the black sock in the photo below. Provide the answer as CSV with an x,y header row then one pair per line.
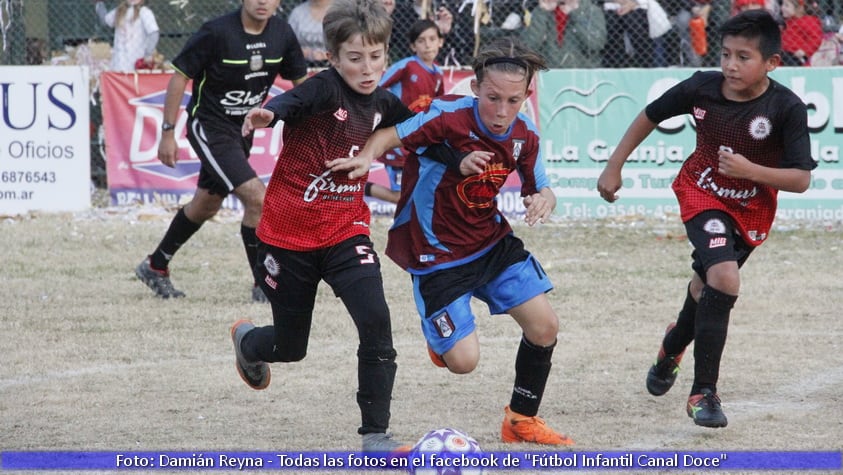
x,y
532,367
677,339
710,337
177,234
250,242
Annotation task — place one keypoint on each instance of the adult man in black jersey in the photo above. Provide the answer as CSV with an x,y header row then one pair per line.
x,y
233,61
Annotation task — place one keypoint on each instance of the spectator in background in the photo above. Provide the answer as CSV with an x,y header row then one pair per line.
x,y
629,44
306,21
135,33
682,14
802,33
569,33
405,13
739,6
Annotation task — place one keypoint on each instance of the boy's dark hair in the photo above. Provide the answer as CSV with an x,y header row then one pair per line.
x,y
348,18
753,24
419,27
508,55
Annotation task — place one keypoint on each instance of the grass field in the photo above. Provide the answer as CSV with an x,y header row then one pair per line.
x,y
90,360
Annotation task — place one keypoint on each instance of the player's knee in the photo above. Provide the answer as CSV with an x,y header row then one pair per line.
x,y
543,334
289,353
461,362
381,354
461,365
725,277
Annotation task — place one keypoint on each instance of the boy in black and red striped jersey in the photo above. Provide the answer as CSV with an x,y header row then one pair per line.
x,y
752,141
315,223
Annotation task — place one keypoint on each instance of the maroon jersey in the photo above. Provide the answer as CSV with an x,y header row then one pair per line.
x,y
770,130
416,85
443,218
414,82
306,206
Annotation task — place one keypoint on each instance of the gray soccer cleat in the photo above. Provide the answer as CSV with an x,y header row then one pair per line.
x,y
382,442
158,281
254,373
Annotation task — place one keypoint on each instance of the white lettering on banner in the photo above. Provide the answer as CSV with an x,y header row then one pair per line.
x,y
599,151
819,108
825,153
45,155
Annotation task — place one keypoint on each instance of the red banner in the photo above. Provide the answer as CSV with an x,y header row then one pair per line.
x,y
132,109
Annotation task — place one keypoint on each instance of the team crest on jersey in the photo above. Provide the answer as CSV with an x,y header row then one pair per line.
x,y
714,226
760,128
516,148
256,62
699,114
271,265
414,78
377,120
444,325
341,114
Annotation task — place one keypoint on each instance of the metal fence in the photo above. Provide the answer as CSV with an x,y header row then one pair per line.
x,y
598,33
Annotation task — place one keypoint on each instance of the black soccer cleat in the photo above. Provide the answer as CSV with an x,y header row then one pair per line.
x,y
157,280
705,410
662,374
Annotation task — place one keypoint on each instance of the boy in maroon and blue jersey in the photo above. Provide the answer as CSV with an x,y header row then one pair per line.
x,y
449,235
752,141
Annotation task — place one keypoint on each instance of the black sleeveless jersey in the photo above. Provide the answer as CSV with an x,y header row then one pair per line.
x,y
233,70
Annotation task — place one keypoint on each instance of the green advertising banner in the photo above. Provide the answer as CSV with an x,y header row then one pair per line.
x,y
584,113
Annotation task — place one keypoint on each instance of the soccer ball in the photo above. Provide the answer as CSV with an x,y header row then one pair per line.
x,y
438,450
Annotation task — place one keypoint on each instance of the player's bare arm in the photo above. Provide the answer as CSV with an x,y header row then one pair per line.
x,y
168,148
358,165
539,206
736,165
256,118
610,180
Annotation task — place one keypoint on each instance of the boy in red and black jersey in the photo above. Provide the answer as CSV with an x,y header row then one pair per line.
x,y
752,141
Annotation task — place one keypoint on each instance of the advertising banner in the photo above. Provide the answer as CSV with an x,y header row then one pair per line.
x,y
45,139
584,113
133,107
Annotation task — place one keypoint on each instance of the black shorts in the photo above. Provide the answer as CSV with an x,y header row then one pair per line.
x,y
290,278
224,154
715,240
442,287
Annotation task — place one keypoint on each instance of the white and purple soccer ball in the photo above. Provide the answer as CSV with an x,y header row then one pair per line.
x,y
431,453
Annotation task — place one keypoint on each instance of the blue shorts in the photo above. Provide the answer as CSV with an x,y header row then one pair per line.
x,y
513,286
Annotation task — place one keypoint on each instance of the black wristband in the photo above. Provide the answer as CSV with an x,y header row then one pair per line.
x,y
367,190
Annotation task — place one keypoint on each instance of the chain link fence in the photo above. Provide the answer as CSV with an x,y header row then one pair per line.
x,y
593,33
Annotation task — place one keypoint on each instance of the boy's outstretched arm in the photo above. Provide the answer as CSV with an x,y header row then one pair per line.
x,y
610,180
736,165
358,165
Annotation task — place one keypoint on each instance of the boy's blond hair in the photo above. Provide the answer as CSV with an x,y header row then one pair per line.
x,y
348,18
